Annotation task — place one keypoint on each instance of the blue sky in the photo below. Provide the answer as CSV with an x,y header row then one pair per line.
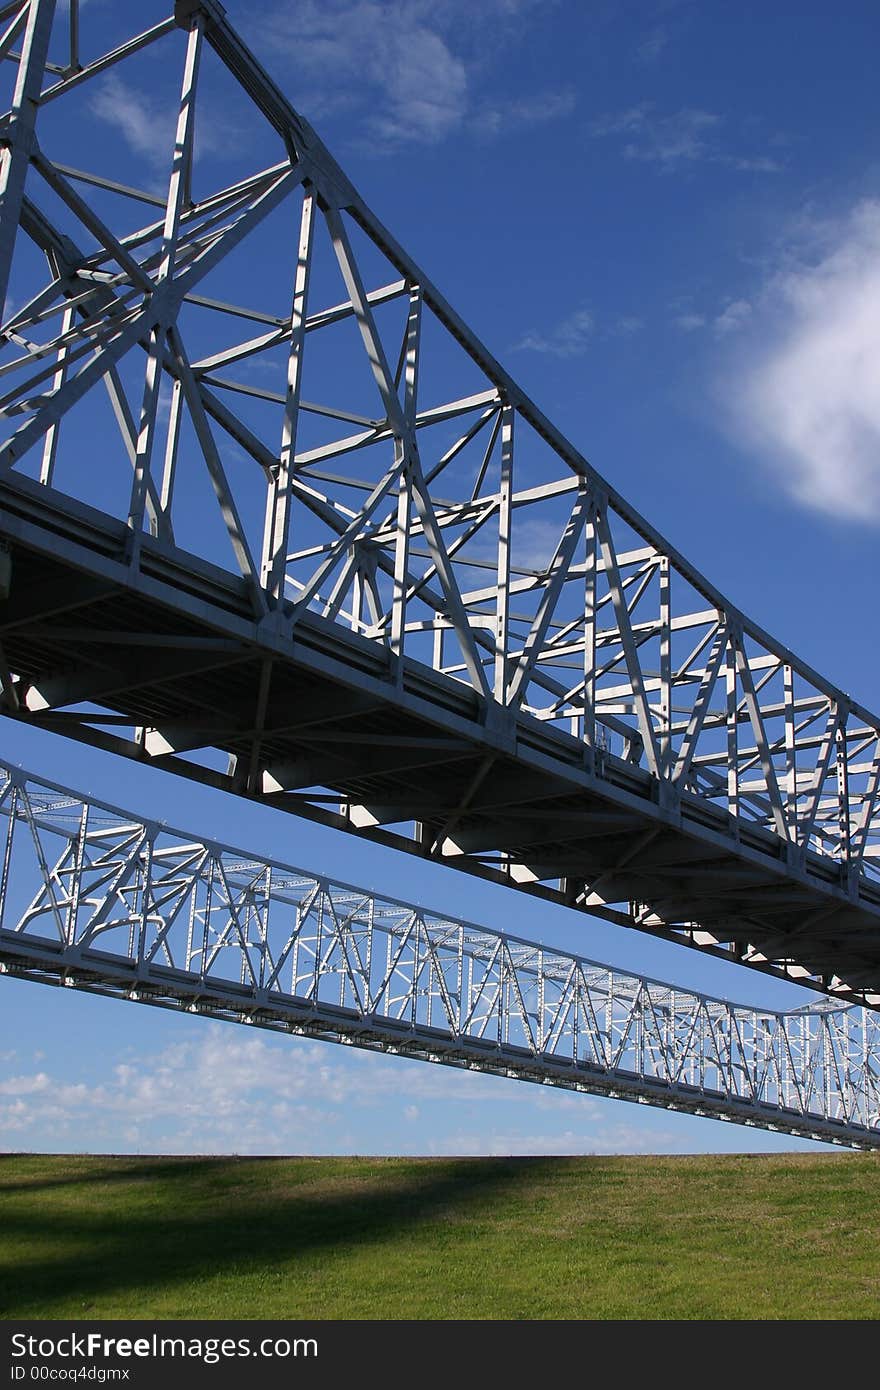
x,y
664,219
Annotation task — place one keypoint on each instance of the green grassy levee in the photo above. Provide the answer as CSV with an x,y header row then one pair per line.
x,y
781,1236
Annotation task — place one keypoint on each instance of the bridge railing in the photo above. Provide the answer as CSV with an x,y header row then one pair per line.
x,y
97,898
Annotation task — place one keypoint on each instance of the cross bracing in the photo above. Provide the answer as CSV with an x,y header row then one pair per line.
x,y
98,899
277,520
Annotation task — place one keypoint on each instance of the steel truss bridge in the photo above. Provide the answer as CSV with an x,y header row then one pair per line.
x,y
274,519
101,900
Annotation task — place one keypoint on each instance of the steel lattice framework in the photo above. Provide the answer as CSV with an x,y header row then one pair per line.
x,y
318,547
97,899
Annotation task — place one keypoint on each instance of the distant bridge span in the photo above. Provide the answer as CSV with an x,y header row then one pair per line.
x,y
96,899
276,520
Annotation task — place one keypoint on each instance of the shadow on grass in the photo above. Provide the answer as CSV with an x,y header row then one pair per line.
x,y
97,1170
194,1219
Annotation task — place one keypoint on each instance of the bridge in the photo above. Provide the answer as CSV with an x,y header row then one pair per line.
x,y
274,519
103,901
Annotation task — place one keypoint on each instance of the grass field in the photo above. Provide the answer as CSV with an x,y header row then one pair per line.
x,y
782,1236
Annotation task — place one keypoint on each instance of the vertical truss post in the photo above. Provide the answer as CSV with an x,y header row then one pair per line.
x,y
404,446
50,444
589,695
172,445
412,344
665,739
628,644
75,890
502,593
843,807
869,805
791,771
401,564
750,700
178,187
732,729
10,796
437,649
73,51
144,448
276,532
18,137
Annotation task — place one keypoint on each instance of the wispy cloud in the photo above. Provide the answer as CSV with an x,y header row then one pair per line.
x,y
675,140
147,123
233,1091
803,387
402,69
574,335
36,1083
756,164
733,317
678,138
533,545
221,1089
144,123
383,60
689,323
536,543
405,67
427,88
515,115
652,45
570,337
626,325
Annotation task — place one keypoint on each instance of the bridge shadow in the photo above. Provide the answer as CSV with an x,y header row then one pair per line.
x,y
96,1170
182,1220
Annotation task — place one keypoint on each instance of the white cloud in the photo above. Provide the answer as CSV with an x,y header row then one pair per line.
x,y
515,115
669,141
370,55
25,1085
143,124
735,316
235,1091
652,46
805,390
147,123
534,543
677,140
405,66
570,338
758,164
426,86
239,1090
573,335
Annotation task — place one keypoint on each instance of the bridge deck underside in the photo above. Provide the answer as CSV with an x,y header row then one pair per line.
x,y
324,724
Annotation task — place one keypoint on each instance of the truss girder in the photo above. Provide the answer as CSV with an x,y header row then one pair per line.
x,y
97,899
386,513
